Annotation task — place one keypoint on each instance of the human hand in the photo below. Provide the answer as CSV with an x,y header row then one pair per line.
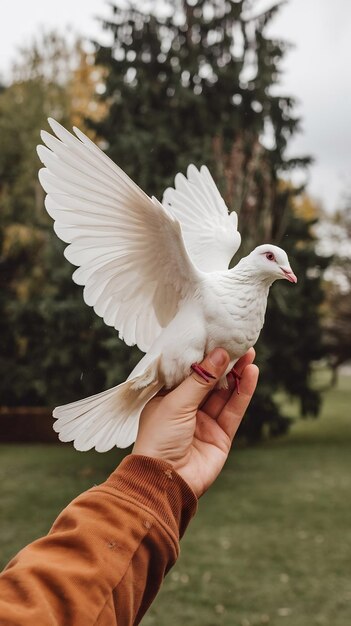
x,y
193,426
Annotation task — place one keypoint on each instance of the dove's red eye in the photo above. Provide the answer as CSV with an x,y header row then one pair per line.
x,y
270,256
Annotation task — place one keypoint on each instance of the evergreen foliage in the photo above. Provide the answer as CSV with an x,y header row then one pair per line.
x,y
51,343
199,84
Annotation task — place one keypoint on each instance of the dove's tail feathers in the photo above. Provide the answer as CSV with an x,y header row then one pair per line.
x,y
109,418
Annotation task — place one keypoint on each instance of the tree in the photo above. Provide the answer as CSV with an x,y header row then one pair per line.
x,y
48,334
335,235
195,85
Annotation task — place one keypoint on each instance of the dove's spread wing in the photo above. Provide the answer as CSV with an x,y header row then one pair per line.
x,y
210,233
129,249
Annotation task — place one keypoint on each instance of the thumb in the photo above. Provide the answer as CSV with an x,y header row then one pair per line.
x,y
194,389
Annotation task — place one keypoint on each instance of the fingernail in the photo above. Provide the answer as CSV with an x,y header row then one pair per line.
x,y
218,357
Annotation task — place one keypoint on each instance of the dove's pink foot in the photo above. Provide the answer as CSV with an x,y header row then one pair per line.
x,y
202,372
236,379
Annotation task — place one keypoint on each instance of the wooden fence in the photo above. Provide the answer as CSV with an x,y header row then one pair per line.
x,y
26,424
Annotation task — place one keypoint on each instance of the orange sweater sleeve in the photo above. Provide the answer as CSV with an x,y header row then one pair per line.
x,y
105,557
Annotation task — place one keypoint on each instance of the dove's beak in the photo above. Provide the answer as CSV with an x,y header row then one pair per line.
x,y
289,274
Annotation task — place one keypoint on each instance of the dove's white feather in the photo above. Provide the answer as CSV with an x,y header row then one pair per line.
x,y
109,418
175,301
210,233
128,247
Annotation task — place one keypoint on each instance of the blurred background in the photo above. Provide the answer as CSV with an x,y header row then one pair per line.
x,y
260,92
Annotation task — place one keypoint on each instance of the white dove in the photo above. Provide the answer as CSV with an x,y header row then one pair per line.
x,y
156,272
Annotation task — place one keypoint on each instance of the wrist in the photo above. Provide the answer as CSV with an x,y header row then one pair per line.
x,y
155,484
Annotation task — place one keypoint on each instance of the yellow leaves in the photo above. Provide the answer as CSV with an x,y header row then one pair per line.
x,y
300,245
306,208
22,346
15,234
20,235
22,244
86,83
22,290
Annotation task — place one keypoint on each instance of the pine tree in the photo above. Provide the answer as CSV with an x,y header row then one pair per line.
x,y
195,85
335,233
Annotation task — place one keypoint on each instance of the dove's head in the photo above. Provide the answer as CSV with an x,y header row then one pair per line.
x,y
272,262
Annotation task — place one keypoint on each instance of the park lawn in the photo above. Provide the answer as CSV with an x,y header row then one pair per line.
x,y
271,543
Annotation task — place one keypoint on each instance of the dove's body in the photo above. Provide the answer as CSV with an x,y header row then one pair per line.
x,y
155,272
194,331
239,301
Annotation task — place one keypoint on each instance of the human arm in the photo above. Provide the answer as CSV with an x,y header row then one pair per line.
x,y
109,550
106,555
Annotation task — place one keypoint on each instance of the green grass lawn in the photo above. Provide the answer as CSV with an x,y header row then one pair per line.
x,y
271,543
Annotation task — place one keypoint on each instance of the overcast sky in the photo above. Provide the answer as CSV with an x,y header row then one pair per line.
x,y
317,71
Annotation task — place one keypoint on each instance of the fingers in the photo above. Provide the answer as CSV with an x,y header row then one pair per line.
x,y
245,360
218,398
193,390
232,413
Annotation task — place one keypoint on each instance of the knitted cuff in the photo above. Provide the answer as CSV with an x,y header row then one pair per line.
x,y
155,484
